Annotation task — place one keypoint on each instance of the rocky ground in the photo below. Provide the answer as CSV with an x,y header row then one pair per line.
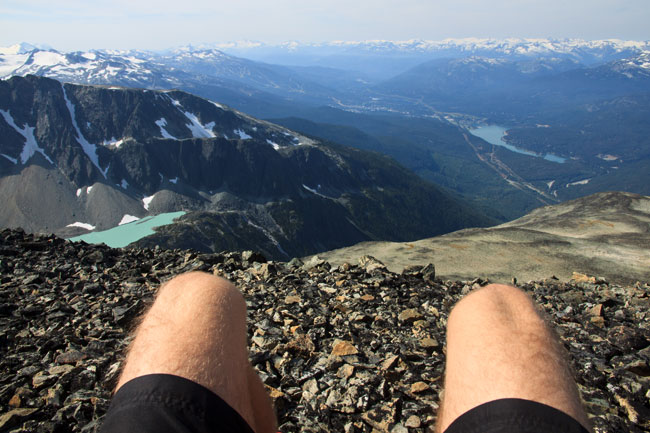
x,y
354,348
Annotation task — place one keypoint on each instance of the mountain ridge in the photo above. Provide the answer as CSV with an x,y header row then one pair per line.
x,y
604,235
107,153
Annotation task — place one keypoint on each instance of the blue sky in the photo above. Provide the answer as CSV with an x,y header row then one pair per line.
x,y
149,24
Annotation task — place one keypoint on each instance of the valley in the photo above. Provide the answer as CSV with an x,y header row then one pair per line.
x,y
582,105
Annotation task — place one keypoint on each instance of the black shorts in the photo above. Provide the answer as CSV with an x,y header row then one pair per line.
x,y
164,403
513,415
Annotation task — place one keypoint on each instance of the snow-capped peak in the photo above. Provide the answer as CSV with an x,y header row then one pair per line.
x,y
21,48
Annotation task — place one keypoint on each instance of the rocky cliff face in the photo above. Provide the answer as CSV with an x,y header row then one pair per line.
x,y
354,348
89,155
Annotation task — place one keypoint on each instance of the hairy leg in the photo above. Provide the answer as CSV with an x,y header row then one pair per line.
x,y
196,329
499,346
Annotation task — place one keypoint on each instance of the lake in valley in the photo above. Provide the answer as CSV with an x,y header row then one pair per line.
x,y
123,235
494,134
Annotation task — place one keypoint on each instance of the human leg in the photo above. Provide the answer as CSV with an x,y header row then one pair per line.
x,y
499,346
196,329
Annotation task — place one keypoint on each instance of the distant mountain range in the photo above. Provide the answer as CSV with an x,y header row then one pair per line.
x,y
584,101
385,59
75,157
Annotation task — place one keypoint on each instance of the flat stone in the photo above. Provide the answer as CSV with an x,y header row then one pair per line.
x,y
598,321
343,348
429,343
410,315
596,310
345,371
418,387
389,362
292,300
60,370
12,417
413,422
42,379
71,357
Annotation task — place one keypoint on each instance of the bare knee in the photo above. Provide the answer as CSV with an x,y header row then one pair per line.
x,y
204,292
497,302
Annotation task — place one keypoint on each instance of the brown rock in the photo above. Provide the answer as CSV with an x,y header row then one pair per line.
x,y
345,371
389,362
429,343
598,321
292,300
596,310
632,414
418,387
343,348
580,278
410,315
15,401
413,422
42,379
12,417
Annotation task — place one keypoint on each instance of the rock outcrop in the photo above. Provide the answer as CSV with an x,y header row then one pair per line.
x,y
354,348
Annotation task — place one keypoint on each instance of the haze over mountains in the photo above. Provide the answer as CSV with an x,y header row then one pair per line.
x,y
587,102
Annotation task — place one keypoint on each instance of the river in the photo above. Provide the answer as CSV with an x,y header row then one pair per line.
x,y
494,134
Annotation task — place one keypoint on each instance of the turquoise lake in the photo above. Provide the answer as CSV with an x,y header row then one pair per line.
x,y
123,235
494,134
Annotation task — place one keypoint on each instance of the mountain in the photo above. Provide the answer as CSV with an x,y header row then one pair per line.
x,y
88,156
605,235
210,73
513,90
542,91
385,59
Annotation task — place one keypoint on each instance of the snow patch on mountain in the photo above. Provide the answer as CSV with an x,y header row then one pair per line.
x,y
14,160
580,182
128,219
89,149
86,226
199,130
147,201
313,191
242,135
162,122
31,146
47,58
81,190
276,146
112,142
